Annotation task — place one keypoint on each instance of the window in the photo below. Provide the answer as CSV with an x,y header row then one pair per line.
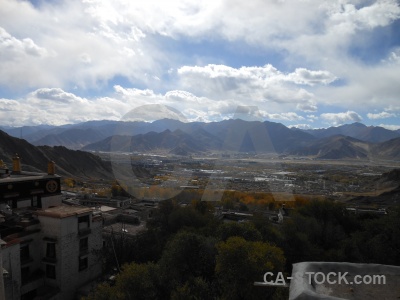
x,y
83,222
24,253
51,271
25,273
84,225
84,244
36,201
83,263
51,250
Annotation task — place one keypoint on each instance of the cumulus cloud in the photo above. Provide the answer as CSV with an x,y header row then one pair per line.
x,y
84,33
73,43
380,13
184,97
301,126
390,127
307,107
394,57
342,117
54,106
308,77
13,48
90,44
56,94
9,105
289,116
261,86
381,115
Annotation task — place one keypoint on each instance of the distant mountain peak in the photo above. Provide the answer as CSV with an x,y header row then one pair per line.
x,y
357,124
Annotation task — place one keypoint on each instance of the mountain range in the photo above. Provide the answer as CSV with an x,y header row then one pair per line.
x,y
350,141
372,134
69,163
345,147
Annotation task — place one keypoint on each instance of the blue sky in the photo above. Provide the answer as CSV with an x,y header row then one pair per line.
x,y
308,63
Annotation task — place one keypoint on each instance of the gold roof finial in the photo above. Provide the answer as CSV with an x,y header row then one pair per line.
x,y
16,163
51,168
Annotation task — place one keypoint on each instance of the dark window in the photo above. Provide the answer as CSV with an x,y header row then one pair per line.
x,y
51,250
83,222
24,253
83,244
83,263
29,295
34,201
25,273
51,271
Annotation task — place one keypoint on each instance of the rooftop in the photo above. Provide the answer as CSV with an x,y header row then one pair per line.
x,y
64,211
22,176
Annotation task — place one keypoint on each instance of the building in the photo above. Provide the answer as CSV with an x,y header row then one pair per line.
x,y
117,202
48,250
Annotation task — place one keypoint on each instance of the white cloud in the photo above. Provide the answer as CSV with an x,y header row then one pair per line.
x,y
301,126
393,57
307,107
87,44
342,117
184,97
289,116
7,105
13,48
390,127
68,43
381,115
56,106
56,94
263,86
308,77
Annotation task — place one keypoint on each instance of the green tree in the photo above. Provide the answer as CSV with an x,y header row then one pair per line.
x,y
316,231
245,230
194,289
186,217
187,255
240,263
136,281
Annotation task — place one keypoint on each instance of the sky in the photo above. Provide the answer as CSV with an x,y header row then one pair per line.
x,y
304,63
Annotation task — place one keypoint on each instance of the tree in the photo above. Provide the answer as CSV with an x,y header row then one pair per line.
x,y
136,281
185,217
245,230
186,256
240,263
315,230
194,289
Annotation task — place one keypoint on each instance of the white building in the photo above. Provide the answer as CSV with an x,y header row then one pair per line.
x,y
48,250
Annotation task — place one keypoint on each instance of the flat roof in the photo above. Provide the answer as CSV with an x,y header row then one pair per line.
x,y
23,176
64,211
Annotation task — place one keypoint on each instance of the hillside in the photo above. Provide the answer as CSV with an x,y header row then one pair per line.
x,y
350,141
389,149
372,134
336,147
69,162
230,135
345,147
176,142
73,138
